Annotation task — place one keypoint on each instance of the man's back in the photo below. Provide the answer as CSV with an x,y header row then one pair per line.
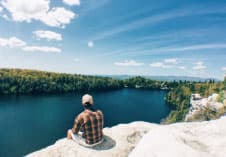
x,y
91,122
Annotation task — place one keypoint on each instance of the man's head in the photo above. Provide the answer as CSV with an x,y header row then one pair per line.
x,y
87,99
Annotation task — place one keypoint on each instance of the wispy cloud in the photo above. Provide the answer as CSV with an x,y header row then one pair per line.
x,y
6,17
167,63
155,19
150,51
223,69
199,47
49,35
16,42
91,5
182,67
129,63
41,49
76,60
159,65
12,42
199,66
164,42
171,60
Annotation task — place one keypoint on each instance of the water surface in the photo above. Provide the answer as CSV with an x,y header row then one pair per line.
x,y
31,122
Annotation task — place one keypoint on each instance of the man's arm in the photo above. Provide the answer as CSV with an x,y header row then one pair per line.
x,y
76,127
77,124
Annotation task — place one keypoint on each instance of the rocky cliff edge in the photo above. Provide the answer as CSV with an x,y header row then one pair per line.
x,y
196,139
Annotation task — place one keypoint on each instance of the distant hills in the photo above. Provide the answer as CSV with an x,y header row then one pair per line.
x,y
165,78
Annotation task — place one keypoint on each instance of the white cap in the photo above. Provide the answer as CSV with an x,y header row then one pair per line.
x,y
87,99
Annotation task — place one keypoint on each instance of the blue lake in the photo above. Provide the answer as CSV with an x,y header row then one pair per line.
x,y
31,122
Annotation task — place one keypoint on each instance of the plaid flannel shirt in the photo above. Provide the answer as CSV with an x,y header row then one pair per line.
x,y
91,124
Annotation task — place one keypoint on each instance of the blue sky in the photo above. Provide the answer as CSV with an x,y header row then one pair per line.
x,y
145,37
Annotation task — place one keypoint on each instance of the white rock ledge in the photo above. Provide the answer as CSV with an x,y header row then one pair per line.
x,y
119,141
197,139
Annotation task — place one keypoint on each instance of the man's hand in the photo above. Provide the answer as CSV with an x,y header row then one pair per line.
x,y
69,134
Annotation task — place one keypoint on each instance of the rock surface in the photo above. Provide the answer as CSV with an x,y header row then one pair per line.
x,y
119,141
197,139
206,108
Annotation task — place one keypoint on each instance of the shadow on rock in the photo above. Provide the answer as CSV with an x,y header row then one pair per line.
x,y
107,144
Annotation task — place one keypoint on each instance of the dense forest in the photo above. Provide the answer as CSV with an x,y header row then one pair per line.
x,y
140,82
179,98
145,83
16,81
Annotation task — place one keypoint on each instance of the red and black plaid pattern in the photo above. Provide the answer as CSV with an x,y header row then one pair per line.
x,y
91,123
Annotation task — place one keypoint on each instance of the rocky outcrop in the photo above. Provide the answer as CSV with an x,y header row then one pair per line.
x,y
119,141
196,139
212,107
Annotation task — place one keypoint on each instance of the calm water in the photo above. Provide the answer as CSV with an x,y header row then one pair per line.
x,y
30,122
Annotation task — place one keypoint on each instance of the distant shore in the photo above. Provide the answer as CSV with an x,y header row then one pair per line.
x,y
20,81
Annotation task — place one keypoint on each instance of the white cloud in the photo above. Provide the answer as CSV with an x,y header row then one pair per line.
x,y
129,63
72,2
49,35
199,63
5,17
171,61
1,9
223,69
159,65
76,60
90,44
182,67
199,66
12,42
156,64
58,17
42,49
15,42
27,10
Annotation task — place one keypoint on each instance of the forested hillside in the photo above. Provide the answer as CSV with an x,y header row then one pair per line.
x,y
141,82
14,81
179,97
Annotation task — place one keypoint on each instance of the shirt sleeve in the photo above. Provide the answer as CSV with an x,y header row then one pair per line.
x,y
77,124
102,117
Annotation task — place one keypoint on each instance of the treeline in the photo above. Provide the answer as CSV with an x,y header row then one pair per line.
x,y
140,82
145,83
17,81
179,98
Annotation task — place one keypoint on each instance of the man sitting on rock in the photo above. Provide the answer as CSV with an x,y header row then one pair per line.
x,y
88,125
